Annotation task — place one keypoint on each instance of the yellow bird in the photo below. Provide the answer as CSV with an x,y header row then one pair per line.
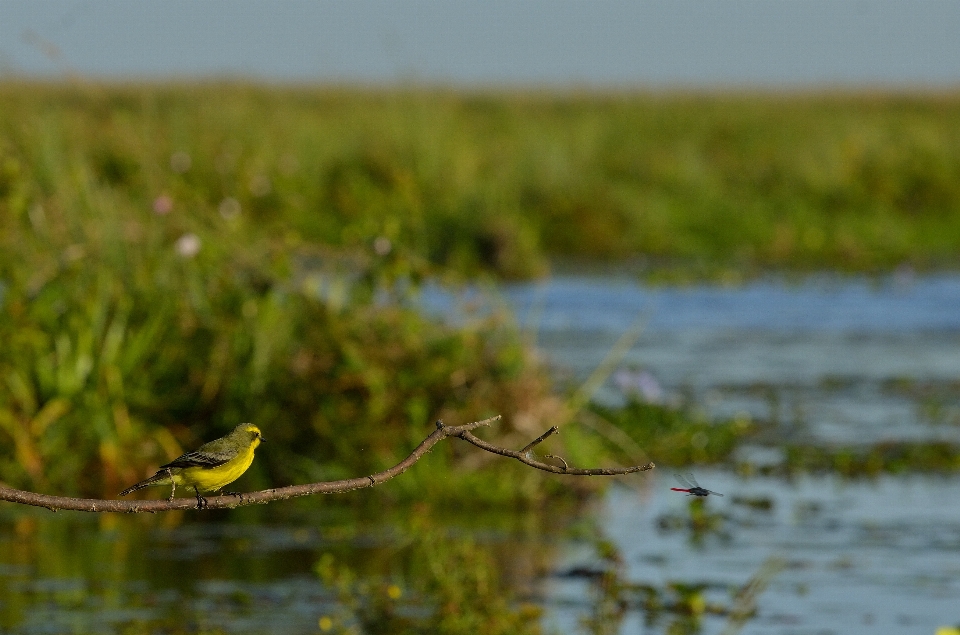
x,y
210,467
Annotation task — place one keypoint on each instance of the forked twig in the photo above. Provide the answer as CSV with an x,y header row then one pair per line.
x,y
529,446
524,457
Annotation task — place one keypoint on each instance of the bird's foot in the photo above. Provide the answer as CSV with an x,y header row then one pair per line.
x,y
173,486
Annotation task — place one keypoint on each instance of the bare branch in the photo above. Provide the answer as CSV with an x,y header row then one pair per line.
x,y
56,503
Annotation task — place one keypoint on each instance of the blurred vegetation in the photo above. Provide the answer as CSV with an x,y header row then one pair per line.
x,y
891,457
676,435
158,285
455,586
178,258
137,321
119,352
504,182
673,607
698,520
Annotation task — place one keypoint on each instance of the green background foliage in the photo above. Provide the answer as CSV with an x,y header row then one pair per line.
x,y
504,182
177,258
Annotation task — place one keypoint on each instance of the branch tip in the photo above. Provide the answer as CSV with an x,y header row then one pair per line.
x,y
540,439
559,458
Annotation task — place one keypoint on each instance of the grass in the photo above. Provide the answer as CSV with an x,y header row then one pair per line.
x,y
506,182
115,361
130,334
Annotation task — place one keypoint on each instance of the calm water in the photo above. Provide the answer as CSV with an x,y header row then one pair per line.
x,y
830,360
861,558
835,360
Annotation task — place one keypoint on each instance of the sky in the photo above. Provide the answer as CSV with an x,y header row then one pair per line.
x,y
483,42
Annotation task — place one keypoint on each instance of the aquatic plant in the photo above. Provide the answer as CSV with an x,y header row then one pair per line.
x,y
450,585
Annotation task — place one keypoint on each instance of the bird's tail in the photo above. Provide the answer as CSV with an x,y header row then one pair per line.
x,y
157,479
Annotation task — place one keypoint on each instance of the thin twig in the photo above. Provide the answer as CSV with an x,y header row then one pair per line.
x,y
529,446
55,503
559,458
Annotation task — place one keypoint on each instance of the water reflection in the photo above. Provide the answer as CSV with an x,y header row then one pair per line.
x,y
247,571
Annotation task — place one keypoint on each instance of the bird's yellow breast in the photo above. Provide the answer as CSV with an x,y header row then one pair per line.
x,y
212,479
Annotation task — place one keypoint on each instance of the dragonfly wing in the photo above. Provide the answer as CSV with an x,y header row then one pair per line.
x,y
683,481
714,493
693,480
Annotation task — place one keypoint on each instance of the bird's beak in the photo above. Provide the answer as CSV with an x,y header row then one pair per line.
x,y
262,440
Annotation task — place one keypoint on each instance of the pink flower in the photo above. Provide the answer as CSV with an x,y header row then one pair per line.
x,y
163,204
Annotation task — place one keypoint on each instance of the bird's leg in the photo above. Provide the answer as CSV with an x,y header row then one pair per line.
x,y
173,483
201,501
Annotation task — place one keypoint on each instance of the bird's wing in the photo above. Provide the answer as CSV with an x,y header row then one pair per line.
x,y
212,454
198,459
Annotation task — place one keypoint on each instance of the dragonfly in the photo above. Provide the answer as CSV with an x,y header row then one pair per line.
x,y
692,487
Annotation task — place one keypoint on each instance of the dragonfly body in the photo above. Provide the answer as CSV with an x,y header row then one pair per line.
x,y
695,491
692,488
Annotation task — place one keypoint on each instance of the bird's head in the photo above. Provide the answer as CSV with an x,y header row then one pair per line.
x,y
250,432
